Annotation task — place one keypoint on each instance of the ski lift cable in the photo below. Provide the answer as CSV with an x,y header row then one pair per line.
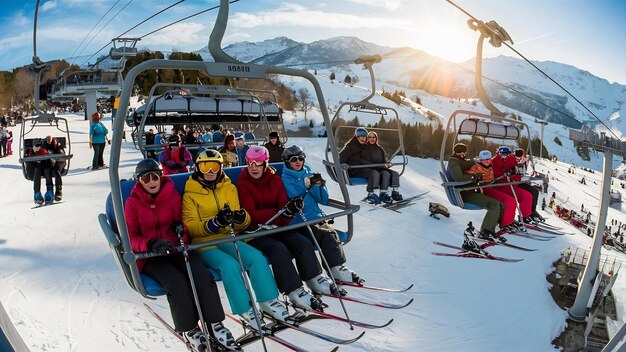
x,y
538,69
92,28
161,28
103,27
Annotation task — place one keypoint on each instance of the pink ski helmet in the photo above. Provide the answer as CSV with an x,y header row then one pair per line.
x,y
258,154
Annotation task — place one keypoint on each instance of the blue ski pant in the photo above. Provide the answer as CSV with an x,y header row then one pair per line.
x,y
223,258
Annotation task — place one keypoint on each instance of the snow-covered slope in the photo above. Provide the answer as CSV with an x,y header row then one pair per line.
x,y
248,51
64,292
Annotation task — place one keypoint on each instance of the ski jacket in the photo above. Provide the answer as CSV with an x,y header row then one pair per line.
x,y
262,197
457,168
149,217
376,154
502,165
241,155
201,204
355,153
54,147
480,168
98,133
276,151
230,157
295,187
175,162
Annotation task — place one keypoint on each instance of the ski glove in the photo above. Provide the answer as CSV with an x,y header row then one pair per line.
x,y
293,206
476,178
161,246
239,216
223,218
317,180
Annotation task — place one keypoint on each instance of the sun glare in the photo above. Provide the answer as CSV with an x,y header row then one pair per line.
x,y
451,40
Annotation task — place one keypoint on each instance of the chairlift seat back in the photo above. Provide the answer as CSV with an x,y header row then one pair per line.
x,y
476,127
353,181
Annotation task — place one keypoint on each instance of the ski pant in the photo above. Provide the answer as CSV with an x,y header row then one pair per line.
x,y
388,178
56,170
3,147
535,194
9,150
507,200
524,198
34,170
98,155
281,248
495,209
223,258
328,240
170,271
373,177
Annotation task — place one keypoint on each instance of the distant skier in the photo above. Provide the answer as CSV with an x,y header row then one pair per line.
x,y
97,140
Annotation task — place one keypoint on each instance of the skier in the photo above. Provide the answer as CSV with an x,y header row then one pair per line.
x,y
388,177
502,163
484,167
153,217
552,200
521,170
543,204
210,203
495,210
356,152
175,157
53,146
34,171
299,181
97,138
263,195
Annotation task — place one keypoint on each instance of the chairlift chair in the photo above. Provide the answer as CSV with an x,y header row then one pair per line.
x,y
113,223
470,123
366,107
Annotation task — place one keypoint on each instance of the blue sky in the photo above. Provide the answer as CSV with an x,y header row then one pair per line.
x,y
584,33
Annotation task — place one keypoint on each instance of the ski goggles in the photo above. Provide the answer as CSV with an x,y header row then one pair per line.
x,y
152,176
295,158
255,163
209,166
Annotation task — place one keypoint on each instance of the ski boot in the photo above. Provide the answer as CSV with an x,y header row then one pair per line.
x,y
396,196
471,246
385,198
490,236
223,336
303,299
470,231
372,199
58,193
519,226
48,197
251,319
343,273
275,309
195,340
38,198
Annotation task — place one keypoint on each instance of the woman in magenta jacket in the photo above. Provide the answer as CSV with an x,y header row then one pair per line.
x,y
502,164
153,212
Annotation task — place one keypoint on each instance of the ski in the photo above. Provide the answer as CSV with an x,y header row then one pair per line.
x,y
369,303
467,254
477,256
45,205
394,206
530,236
270,334
354,284
548,231
315,333
214,346
549,226
487,243
345,320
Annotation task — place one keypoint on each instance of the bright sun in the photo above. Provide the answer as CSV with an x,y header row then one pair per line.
x,y
450,40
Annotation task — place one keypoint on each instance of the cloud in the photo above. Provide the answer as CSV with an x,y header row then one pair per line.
x,y
541,36
48,5
178,35
296,15
387,4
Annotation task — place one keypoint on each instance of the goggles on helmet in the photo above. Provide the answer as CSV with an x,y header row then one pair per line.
x,y
256,163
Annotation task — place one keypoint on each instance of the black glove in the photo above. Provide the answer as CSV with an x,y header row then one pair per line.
x,y
317,179
239,216
294,206
178,228
476,178
224,217
161,246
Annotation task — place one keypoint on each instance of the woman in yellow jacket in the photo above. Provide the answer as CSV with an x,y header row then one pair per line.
x,y
208,191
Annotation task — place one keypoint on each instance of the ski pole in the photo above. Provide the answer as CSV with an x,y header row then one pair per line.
x,y
231,228
179,233
345,311
519,209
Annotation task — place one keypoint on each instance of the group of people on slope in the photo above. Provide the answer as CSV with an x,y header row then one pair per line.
x,y
501,202
50,168
212,207
362,150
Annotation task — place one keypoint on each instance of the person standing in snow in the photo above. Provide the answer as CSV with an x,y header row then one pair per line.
x,y
210,207
97,140
263,195
153,217
299,181
388,177
457,165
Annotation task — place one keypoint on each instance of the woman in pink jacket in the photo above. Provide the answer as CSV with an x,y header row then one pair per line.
x,y
153,212
502,163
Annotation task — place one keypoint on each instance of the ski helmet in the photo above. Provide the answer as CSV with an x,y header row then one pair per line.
x,y
504,150
147,166
292,151
519,152
209,156
484,155
459,148
258,154
360,132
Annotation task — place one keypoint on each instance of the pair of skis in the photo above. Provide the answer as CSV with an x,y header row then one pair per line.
x,y
394,206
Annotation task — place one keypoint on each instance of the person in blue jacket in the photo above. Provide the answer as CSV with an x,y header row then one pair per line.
x,y
241,148
97,140
299,181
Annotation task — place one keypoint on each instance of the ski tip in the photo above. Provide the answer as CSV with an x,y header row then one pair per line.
x,y
408,288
